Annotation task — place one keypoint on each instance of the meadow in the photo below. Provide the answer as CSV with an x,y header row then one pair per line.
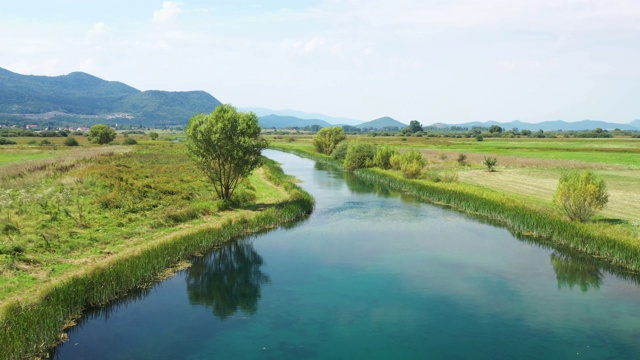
x,y
83,225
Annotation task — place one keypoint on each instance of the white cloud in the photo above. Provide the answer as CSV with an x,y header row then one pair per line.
x,y
170,10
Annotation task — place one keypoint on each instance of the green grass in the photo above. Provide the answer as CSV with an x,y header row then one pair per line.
x,y
143,212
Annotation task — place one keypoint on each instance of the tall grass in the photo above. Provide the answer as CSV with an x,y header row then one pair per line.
x,y
29,327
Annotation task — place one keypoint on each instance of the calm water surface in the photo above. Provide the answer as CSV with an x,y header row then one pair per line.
x,y
373,275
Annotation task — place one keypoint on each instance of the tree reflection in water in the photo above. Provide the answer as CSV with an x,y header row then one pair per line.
x,y
576,270
227,280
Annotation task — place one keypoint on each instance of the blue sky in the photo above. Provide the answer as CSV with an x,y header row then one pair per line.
x,y
433,60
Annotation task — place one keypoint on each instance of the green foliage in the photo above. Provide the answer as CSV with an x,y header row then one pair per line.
x,y
71,141
5,141
326,140
153,135
415,126
101,134
129,141
479,137
462,159
490,163
226,145
340,152
580,195
45,142
410,163
382,158
495,129
359,155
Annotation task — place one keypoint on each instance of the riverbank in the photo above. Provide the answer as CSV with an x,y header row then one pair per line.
x,y
615,244
40,301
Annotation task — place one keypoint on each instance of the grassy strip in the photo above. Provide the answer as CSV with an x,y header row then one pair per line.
x,y
520,217
28,328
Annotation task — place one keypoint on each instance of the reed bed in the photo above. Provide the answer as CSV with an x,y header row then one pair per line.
x,y
29,327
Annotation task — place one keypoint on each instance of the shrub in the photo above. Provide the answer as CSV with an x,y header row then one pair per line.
x,y
326,140
462,159
580,195
129,141
71,141
45,142
340,152
101,134
479,137
490,162
411,164
359,155
153,135
382,158
5,141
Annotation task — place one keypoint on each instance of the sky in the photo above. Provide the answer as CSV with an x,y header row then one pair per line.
x,y
450,61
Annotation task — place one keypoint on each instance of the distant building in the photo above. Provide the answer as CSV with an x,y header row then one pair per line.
x,y
32,126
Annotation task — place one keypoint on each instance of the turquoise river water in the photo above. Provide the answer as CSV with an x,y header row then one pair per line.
x,y
373,274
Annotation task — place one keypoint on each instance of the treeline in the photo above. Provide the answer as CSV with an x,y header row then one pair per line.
x,y
16,132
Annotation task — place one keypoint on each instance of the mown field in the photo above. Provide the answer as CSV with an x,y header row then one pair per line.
x,y
527,169
64,209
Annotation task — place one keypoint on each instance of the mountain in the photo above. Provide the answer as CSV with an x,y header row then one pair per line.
x,y
382,123
552,125
277,121
332,120
79,94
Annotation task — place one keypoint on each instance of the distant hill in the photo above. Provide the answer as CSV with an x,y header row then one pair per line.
x,y
333,120
382,123
551,125
78,94
279,122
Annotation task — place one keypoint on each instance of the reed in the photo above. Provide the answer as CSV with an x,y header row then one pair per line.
x,y
29,327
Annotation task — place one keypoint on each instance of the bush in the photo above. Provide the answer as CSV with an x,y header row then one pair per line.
x,y
479,138
5,141
580,195
382,158
462,159
129,141
45,142
340,152
326,140
153,135
490,162
359,155
411,164
101,134
71,141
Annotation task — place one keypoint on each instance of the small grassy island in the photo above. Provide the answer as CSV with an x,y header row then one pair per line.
x,y
82,225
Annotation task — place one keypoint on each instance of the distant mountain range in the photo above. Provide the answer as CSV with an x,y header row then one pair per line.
x,y
79,95
381,123
277,121
302,115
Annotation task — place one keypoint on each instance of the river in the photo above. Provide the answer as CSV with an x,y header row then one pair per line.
x,y
372,274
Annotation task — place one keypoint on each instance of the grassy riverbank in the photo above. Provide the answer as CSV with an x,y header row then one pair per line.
x,y
524,206
104,224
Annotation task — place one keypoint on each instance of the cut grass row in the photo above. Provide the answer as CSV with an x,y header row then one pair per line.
x,y
29,326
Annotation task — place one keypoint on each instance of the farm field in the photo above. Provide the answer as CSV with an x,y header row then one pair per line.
x,y
527,169
63,208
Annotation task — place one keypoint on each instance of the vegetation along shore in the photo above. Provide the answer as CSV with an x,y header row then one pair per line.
x,y
83,225
516,191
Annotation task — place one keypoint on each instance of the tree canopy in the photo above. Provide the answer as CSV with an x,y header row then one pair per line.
x,y
226,145
326,140
101,134
580,195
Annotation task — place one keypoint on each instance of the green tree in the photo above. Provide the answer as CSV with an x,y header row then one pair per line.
x,y
415,126
153,135
101,134
326,140
495,129
359,155
226,145
71,141
382,158
581,195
